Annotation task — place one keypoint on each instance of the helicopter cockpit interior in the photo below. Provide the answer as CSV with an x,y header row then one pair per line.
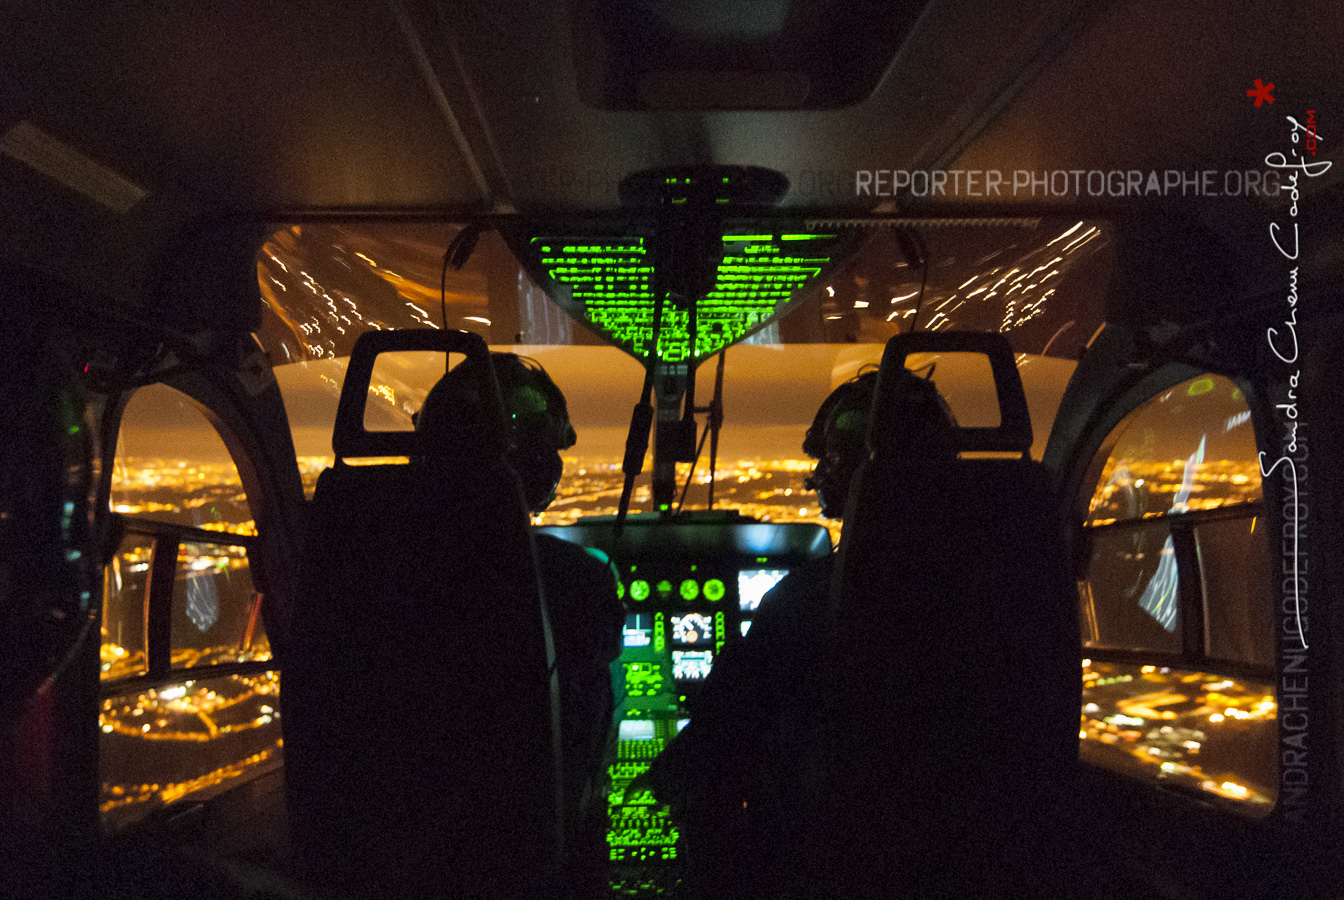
x,y
238,249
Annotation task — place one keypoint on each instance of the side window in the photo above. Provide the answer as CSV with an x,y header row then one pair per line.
x,y
189,694
1175,601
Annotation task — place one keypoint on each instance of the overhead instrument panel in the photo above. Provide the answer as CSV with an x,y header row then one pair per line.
x,y
696,242
608,282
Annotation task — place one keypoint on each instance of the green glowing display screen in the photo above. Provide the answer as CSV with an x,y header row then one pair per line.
x,y
607,282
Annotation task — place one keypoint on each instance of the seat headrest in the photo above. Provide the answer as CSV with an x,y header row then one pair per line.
x,y
913,420
901,403
350,439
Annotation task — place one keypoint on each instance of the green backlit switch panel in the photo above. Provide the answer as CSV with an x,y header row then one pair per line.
x,y
642,839
608,282
642,679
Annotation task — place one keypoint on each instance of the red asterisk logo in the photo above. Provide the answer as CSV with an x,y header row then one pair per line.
x,y
1260,92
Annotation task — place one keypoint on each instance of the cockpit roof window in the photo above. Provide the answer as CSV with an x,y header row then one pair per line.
x,y
1040,281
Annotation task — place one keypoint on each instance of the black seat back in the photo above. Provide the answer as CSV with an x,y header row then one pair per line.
x,y
418,702
952,698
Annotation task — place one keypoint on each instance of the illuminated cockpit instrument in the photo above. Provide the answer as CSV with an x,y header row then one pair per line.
x,y
692,629
636,730
691,665
752,585
608,281
689,588
638,630
696,242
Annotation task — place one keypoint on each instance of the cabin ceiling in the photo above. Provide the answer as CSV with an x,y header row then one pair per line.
x,y
413,106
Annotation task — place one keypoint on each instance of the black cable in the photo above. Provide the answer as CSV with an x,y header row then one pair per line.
x,y
715,422
922,253
443,292
712,425
641,420
458,252
691,474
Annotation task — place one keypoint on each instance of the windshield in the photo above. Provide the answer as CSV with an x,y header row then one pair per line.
x,y
1039,281
325,284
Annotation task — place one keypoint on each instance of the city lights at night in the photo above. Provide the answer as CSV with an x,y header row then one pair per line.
x,y
194,738
1196,729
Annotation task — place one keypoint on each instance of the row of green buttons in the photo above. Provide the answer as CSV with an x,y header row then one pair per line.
x,y
640,590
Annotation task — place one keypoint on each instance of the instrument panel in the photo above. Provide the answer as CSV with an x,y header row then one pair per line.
x,y
690,588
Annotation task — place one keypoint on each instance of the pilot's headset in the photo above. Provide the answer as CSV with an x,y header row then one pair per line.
x,y
915,422
841,421
538,419
836,440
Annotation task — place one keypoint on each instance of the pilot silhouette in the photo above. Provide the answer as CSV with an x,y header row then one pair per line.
x,y
580,590
734,774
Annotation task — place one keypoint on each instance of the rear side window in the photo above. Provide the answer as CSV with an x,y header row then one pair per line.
x,y
1190,448
1175,600
190,697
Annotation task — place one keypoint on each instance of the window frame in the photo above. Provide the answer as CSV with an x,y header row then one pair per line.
x,y
212,395
1079,474
1189,594
168,539
1190,591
